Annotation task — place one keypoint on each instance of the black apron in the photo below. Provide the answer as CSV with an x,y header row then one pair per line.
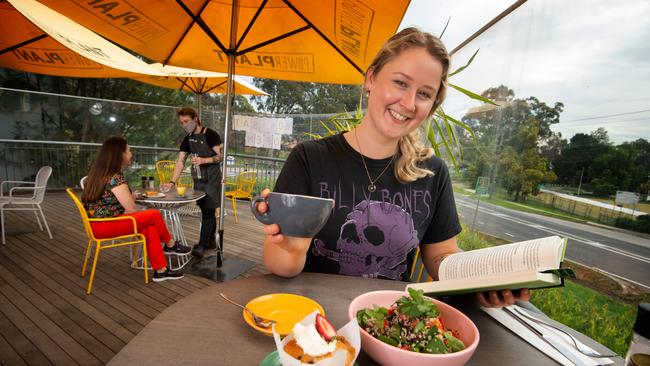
x,y
210,181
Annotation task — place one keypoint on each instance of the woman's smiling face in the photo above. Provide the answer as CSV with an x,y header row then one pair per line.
x,y
403,92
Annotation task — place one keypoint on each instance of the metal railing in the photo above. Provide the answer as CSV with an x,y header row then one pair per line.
x,y
21,159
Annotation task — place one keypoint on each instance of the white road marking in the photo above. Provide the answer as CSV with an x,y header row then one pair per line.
x,y
508,234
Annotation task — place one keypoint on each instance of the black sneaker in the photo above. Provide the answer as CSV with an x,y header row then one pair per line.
x,y
198,251
167,275
177,249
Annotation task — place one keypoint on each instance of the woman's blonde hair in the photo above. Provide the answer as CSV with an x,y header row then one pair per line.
x,y
411,150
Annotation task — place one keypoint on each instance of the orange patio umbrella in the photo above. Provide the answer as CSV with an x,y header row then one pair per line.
x,y
325,41
26,47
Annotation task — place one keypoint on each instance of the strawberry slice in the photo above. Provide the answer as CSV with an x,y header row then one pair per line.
x,y
325,328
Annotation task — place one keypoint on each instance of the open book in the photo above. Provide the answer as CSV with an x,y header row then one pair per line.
x,y
527,264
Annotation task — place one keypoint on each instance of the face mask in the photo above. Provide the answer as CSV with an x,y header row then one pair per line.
x,y
189,127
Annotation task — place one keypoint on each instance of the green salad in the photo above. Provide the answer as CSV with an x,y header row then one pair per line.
x,y
412,323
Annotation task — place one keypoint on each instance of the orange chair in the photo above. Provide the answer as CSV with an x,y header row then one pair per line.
x,y
118,241
244,184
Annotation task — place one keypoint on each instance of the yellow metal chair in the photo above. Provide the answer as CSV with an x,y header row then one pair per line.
x,y
165,169
131,239
418,269
243,185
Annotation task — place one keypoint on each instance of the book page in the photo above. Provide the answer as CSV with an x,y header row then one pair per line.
x,y
532,255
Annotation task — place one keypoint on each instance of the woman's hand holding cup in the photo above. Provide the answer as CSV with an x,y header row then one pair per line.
x,y
272,230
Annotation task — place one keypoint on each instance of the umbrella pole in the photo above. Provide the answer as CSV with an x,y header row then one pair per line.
x,y
229,102
198,99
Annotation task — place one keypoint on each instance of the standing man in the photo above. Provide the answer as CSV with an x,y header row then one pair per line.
x,y
205,147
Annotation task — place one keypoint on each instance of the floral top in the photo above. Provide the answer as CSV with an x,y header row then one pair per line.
x,y
107,205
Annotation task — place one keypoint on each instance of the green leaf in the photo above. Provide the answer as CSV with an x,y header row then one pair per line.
x,y
451,132
467,64
327,128
458,123
472,94
447,147
395,331
445,28
436,345
416,305
388,340
454,344
432,138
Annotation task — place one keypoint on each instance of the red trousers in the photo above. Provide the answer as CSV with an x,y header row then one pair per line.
x,y
150,224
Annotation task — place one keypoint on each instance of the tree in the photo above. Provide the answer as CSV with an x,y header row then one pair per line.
x,y
577,157
499,135
604,167
292,97
524,169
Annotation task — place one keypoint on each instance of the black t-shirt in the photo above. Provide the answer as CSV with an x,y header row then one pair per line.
x,y
369,234
211,137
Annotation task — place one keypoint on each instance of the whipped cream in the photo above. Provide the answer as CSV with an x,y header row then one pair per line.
x,y
311,342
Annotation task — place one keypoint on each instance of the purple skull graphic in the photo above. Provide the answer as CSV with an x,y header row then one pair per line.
x,y
374,241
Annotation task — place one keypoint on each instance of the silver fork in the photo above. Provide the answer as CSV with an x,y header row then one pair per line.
x,y
261,322
578,345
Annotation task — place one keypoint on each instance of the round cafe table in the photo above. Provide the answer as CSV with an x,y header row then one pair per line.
x,y
203,329
168,206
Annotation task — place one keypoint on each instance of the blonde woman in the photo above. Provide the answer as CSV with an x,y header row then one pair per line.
x,y
391,193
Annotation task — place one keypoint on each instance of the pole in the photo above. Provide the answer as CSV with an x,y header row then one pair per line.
x,y
198,103
580,184
478,199
229,112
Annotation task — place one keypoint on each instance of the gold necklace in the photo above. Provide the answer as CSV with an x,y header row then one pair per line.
x,y
371,187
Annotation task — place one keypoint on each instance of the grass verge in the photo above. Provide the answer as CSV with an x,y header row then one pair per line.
x,y
529,206
593,304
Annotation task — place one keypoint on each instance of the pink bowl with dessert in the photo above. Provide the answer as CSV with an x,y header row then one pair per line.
x,y
455,322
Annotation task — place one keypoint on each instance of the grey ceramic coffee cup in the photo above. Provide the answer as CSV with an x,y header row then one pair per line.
x,y
297,215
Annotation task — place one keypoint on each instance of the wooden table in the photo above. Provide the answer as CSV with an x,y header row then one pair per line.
x,y
203,329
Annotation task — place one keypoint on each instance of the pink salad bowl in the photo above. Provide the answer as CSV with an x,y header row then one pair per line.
x,y
388,355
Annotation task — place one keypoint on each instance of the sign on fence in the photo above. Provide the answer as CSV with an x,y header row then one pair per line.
x,y
627,198
482,185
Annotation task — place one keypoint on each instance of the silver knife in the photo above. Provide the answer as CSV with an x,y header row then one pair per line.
x,y
557,345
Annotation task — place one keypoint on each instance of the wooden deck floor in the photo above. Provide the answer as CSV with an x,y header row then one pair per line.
x,y
46,318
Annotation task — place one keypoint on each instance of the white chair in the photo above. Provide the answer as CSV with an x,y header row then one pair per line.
x,y
25,202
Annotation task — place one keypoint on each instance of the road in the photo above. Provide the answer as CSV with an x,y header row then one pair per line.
x,y
619,254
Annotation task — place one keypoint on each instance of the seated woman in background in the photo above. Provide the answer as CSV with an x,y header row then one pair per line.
x,y
107,194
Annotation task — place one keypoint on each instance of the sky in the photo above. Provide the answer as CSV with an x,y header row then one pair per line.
x,y
591,55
